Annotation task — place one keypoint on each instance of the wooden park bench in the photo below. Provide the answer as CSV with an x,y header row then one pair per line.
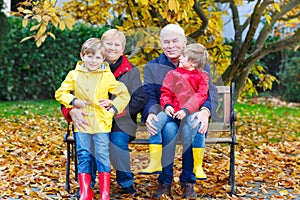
x,y
221,130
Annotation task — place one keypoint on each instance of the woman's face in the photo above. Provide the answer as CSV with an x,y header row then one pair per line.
x,y
114,49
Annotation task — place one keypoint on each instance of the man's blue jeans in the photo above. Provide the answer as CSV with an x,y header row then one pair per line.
x,y
190,138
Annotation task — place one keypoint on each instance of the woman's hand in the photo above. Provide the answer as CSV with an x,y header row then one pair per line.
x,y
77,116
150,127
201,117
78,103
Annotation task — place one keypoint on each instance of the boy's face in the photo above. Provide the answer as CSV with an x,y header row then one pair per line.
x,y
185,63
92,61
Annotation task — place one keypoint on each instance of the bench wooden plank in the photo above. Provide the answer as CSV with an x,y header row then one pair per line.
x,y
213,127
207,141
223,89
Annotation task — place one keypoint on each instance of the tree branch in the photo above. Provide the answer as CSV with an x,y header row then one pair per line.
x,y
270,48
266,30
197,8
255,19
238,30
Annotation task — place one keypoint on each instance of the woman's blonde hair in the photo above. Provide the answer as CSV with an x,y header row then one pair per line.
x,y
114,33
197,53
92,45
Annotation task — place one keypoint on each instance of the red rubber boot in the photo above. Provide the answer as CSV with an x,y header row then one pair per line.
x,y
104,185
84,183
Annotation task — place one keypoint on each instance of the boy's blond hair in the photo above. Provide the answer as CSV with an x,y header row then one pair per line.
x,y
196,53
114,33
92,45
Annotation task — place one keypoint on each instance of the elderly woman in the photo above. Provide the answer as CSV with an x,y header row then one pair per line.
x,y
124,125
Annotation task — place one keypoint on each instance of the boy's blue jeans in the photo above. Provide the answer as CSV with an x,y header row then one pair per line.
x,y
90,146
198,140
190,138
120,159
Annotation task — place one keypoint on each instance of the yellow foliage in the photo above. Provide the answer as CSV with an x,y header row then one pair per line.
x,y
276,6
44,13
137,16
268,18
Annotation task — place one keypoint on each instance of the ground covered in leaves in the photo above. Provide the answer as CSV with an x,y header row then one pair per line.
x,y
33,158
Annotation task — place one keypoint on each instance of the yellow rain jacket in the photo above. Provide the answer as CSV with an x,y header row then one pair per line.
x,y
91,87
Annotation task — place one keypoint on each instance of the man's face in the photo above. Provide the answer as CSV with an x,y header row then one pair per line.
x,y
172,44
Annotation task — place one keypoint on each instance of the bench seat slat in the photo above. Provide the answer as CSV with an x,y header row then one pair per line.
x,y
213,127
207,141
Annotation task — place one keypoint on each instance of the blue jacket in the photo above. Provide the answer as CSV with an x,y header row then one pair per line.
x,y
154,74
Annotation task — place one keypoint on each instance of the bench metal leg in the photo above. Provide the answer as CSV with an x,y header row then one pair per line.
x,y
232,171
75,161
67,185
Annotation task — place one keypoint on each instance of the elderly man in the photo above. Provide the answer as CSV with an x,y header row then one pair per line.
x,y
173,41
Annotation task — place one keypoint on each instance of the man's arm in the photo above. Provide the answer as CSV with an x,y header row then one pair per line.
x,y
149,87
213,93
138,95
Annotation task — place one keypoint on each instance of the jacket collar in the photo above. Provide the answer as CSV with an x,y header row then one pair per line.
x,y
163,59
121,66
103,67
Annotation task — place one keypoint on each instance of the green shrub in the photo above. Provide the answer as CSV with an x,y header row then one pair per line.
x,y
4,26
290,78
30,72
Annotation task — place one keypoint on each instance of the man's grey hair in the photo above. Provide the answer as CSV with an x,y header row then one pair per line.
x,y
172,28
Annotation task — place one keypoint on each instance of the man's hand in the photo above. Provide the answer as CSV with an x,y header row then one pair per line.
x,y
77,116
201,117
150,127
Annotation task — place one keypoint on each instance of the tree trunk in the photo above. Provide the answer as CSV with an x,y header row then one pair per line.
x,y
240,82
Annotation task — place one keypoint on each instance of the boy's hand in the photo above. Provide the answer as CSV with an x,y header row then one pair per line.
x,y
106,103
169,110
179,115
111,110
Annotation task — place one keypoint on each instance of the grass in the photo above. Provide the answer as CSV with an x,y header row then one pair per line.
x,y
52,107
269,111
262,113
19,108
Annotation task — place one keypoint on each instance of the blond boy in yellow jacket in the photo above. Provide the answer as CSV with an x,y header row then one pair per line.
x,y
85,88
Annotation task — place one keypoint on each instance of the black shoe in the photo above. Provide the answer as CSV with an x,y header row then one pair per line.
x,y
129,190
188,191
162,189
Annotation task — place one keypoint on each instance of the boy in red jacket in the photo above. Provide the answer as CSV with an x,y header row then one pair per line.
x,y
183,92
